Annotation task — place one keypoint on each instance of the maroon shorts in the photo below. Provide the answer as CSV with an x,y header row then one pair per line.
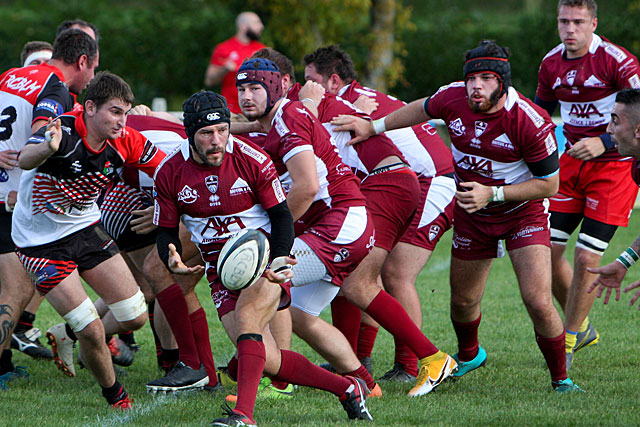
x,y
435,212
478,237
50,264
602,191
225,299
341,239
391,199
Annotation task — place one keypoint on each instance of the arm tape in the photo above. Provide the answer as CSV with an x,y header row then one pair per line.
x,y
282,232
165,236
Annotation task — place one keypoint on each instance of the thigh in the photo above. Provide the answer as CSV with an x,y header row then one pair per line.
x,y
404,263
68,294
256,306
532,265
112,280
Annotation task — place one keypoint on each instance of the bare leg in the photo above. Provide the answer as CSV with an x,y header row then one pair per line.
x,y
16,289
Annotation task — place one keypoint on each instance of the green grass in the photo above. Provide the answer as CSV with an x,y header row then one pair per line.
x,y
513,389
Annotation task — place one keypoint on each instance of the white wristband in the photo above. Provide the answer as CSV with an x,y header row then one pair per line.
x,y
310,100
379,126
498,194
6,203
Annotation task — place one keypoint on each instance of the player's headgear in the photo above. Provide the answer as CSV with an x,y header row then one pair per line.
x,y
204,108
488,57
263,72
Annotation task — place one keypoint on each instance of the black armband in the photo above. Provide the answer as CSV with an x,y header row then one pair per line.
x,y
165,236
282,233
546,167
549,106
425,106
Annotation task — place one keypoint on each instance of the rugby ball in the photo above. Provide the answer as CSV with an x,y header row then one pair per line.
x,y
243,259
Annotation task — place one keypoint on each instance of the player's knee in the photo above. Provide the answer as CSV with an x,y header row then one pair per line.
x,y
130,312
588,256
82,316
156,273
461,302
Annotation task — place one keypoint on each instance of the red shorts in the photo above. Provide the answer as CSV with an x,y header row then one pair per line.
x,y
392,203
602,191
478,237
50,264
225,299
341,239
435,212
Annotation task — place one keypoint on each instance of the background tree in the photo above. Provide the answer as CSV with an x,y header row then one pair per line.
x,y
409,47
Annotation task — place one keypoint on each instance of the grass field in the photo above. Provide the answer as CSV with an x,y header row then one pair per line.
x,y
513,389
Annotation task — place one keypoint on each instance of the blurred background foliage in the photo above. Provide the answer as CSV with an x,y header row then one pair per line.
x,y
162,47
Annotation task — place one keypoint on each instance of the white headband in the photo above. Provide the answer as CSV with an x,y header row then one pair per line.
x,y
41,54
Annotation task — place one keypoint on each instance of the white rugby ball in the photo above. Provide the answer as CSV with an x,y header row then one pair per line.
x,y
243,259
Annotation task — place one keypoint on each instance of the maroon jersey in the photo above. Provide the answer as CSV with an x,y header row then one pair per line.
x,y
217,202
420,144
361,157
296,130
494,149
586,88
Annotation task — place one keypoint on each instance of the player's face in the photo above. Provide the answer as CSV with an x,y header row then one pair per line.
x,y
576,27
254,28
108,120
85,73
483,91
253,100
310,73
210,144
623,132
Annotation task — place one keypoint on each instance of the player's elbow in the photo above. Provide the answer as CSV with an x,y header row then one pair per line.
x,y
551,186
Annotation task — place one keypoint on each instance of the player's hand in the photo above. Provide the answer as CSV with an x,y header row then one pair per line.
x,y
587,149
610,277
313,91
143,224
12,199
230,65
366,104
9,159
636,296
362,128
140,110
54,132
178,267
475,198
281,269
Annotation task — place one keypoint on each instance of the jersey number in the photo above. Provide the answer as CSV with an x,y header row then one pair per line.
x,y
7,118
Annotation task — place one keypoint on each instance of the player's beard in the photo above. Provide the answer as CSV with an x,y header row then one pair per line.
x,y
253,115
204,155
252,35
487,104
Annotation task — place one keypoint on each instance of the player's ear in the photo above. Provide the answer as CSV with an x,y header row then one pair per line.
x,y
335,82
82,62
636,131
90,107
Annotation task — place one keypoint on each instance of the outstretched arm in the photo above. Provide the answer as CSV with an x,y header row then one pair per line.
x,y
409,115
